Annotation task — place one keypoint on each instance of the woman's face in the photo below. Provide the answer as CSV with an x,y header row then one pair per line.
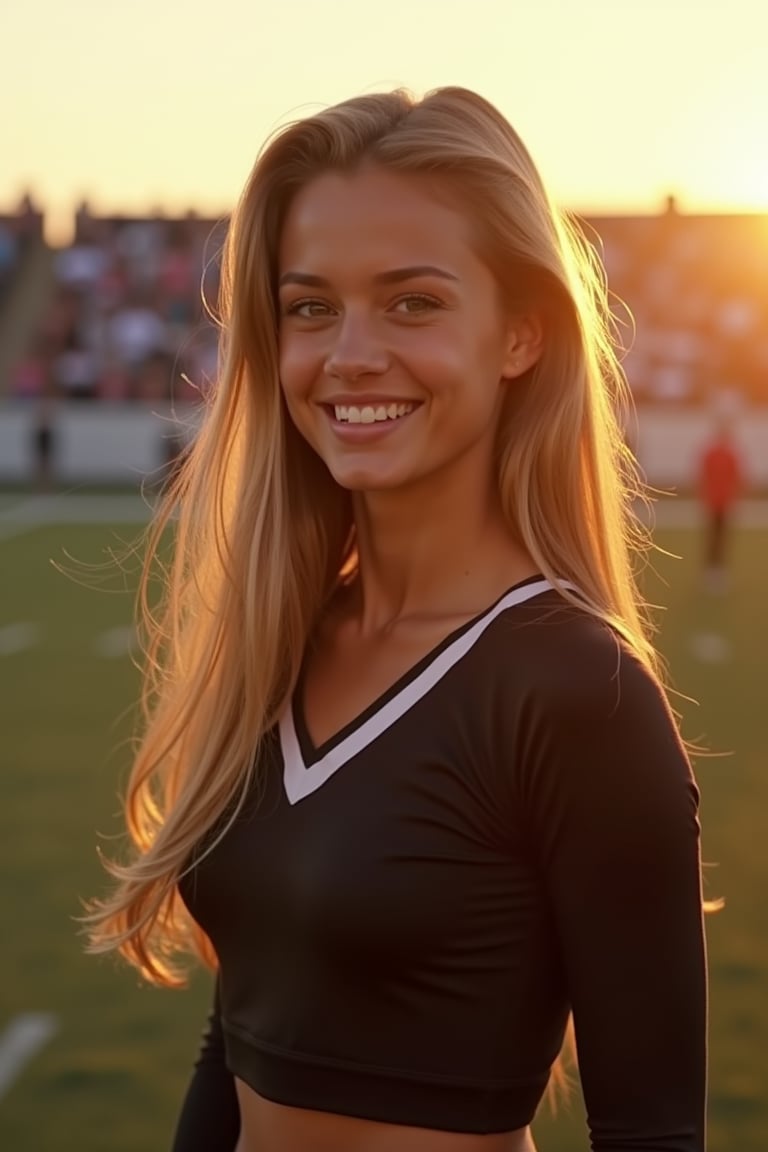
x,y
394,350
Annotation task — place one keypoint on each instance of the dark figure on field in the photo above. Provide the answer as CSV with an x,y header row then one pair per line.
x,y
720,486
43,443
409,780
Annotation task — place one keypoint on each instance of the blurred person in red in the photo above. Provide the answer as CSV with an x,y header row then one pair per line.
x,y
720,486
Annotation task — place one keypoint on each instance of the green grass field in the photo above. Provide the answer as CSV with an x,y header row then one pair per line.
x,y
110,1078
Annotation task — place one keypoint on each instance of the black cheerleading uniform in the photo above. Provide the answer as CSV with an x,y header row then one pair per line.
x,y
406,915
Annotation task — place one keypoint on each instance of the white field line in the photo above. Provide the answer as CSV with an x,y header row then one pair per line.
x,y
116,642
18,637
72,509
11,531
689,514
710,647
82,508
21,1040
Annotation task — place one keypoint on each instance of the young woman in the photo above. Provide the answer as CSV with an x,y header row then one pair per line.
x,y
409,781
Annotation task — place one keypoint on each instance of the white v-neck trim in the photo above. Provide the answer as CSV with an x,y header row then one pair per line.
x,y
301,781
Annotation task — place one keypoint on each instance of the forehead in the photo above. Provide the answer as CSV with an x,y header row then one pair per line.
x,y
372,216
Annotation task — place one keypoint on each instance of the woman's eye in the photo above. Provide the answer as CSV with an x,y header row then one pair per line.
x,y
307,309
416,304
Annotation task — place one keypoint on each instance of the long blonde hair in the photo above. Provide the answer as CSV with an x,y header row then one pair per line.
x,y
261,531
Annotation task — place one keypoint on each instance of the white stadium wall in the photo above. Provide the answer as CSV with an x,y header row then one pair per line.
x,y
668,444
95,443
122,444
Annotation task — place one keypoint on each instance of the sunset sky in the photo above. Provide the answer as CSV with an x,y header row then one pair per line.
x,y
143,103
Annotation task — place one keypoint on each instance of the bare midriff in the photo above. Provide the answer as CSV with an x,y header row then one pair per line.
x,y
270,1127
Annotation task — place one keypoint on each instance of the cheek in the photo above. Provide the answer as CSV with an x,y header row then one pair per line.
x,y
298,368
438,358
469,345
467,364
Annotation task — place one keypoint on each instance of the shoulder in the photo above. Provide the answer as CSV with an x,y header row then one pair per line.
x,y
579,711
567,689
565,658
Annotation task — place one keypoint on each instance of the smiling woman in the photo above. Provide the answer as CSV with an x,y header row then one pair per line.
x,y
409,780
404,303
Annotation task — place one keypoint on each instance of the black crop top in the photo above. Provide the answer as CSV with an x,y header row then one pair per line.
x,y
407,914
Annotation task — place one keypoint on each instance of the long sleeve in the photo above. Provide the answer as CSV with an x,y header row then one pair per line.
x,y
613,806
209,1120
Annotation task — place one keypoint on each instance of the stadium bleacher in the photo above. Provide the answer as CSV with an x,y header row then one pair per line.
x,y
697,289
125,319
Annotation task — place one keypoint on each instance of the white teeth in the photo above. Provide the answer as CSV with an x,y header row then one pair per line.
x,y
368,414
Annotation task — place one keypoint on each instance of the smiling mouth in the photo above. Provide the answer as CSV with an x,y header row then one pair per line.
x,y
370,413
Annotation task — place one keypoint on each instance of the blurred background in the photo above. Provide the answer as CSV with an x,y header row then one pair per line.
x,y
126,136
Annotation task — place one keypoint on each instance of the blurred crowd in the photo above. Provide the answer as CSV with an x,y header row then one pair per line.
x,y
697,291
125,319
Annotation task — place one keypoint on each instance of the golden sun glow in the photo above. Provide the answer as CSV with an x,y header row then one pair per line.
x,y
619,103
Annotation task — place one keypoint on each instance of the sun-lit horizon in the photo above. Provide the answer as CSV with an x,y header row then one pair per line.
x,y
159,107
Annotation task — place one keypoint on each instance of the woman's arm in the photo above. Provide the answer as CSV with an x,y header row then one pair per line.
x,y
209,1120
614,807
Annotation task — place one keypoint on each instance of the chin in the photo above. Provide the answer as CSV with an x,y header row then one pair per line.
x,y
364,480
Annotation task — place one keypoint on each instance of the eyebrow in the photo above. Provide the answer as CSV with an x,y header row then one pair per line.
x,y
395,276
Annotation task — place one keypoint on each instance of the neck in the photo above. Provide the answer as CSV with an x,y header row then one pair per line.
x,y
439,547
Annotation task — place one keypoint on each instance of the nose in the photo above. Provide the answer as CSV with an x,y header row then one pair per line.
x,y
356,350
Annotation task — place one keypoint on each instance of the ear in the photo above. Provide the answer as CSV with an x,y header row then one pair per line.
x,y
524,345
